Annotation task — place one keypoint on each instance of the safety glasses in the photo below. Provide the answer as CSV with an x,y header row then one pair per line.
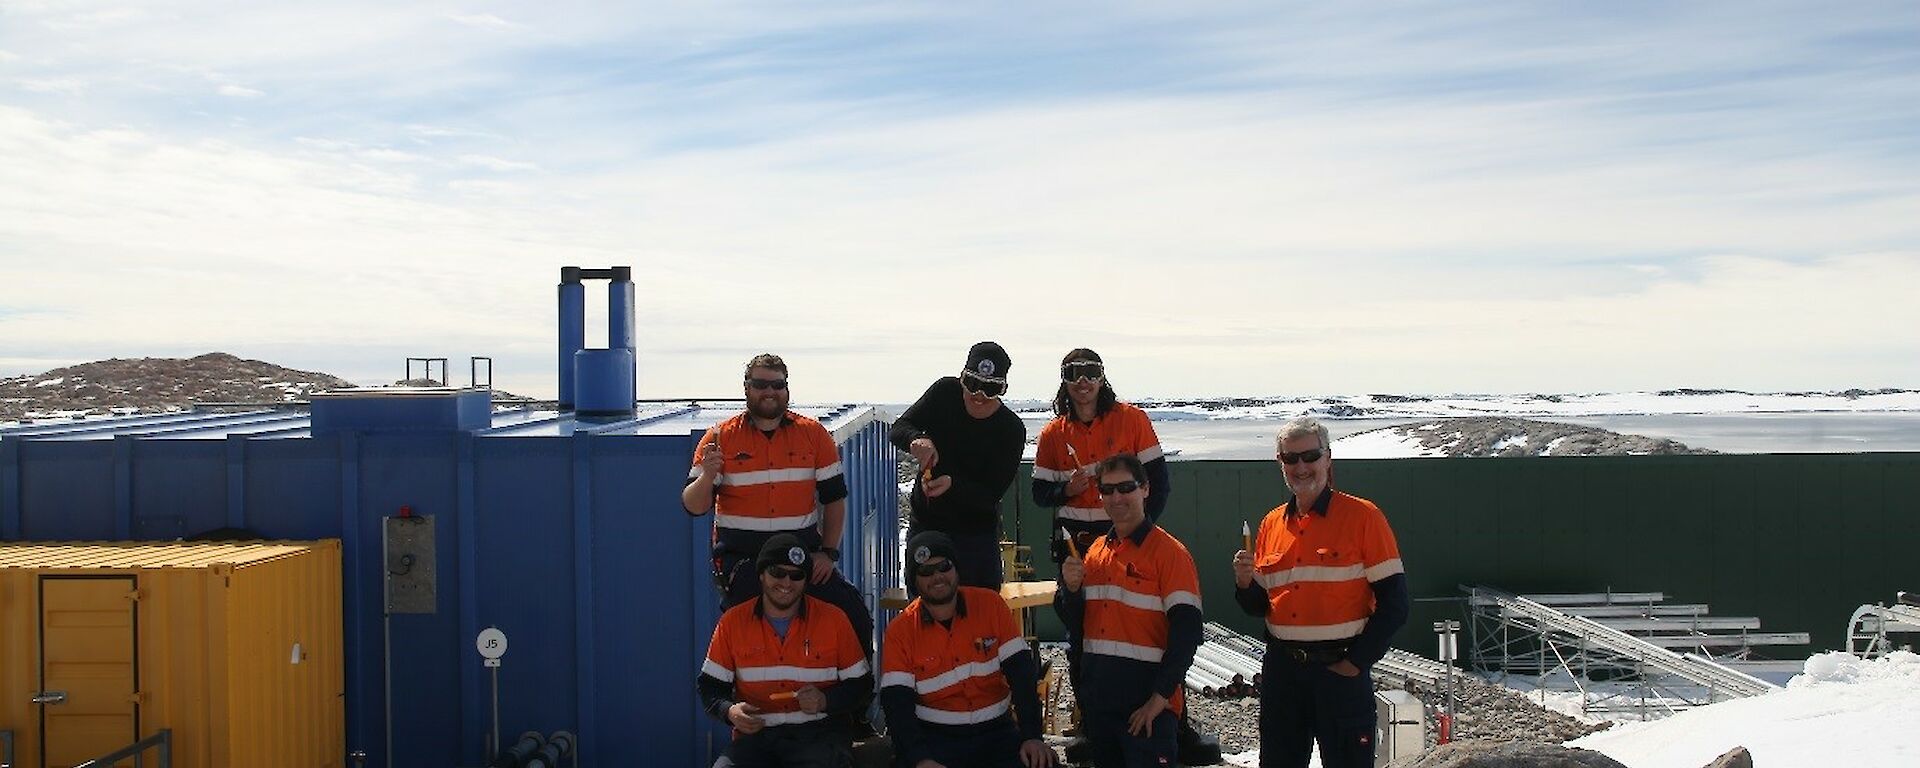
x,y
981,386
1082,369
1306,456
783,572
766,384
930,569
1109,489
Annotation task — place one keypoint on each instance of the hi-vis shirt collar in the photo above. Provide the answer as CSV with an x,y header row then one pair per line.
x,y
1319,505
959,607
1138,537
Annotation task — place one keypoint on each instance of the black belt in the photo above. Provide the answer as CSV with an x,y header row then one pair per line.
x,y
1310,653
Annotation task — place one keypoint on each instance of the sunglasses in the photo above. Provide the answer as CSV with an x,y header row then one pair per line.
x,y
790,574
979,386
930,569
1090,371
1109,489
767,383
1306,456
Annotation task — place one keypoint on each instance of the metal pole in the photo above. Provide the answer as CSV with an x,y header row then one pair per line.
x,y
493,747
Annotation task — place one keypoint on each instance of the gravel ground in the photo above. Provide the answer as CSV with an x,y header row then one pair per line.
x,y
1484,711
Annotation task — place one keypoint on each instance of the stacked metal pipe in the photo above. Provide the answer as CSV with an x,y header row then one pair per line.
x,y
1227,664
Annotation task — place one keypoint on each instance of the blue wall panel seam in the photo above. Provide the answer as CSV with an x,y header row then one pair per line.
x,y
123,487
11,525
466,517
586,708
236,481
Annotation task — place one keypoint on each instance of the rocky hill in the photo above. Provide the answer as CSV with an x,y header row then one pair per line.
x,y
1508,436
155,384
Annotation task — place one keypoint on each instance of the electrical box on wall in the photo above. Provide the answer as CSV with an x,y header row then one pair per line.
x,y
410,564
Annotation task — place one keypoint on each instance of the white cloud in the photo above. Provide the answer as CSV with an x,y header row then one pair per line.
x,y
483,21
241,92
1272,204
497,164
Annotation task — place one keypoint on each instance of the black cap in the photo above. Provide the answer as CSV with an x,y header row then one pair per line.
x,y
782,549
988,361
927,545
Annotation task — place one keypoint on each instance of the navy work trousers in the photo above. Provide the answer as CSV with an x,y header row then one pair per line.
x,y
1305,702
1113,747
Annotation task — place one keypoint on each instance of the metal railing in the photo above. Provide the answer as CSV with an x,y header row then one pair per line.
x,y
1518,635
161,743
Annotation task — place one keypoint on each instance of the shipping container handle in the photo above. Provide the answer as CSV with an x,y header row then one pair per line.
x,y
50,697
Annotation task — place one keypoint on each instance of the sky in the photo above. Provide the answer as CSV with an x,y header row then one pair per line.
x,y
1221,198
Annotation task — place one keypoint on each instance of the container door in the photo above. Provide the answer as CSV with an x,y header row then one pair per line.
x,y
87,653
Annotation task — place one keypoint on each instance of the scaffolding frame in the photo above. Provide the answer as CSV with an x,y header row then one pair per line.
x,y
1515,637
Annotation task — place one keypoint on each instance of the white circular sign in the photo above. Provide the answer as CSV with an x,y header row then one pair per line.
x,y
491,642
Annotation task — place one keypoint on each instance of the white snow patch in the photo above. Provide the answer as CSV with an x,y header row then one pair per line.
x,y
1516,441
1380,444
49,382
1842,711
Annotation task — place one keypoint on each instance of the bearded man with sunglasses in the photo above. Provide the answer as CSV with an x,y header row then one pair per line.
x,y
968,445
770,471
1325,574
957,679
785,671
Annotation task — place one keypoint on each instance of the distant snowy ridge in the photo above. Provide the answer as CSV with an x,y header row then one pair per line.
x,y
1484,436
1664,402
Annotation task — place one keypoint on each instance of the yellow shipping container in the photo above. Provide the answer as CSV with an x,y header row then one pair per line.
x,y
234,646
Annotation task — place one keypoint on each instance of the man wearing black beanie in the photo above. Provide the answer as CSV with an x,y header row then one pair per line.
x,y
957,679
968,444
785,670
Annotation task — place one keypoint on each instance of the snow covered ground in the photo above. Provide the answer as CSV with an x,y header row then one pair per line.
x,y
1842,711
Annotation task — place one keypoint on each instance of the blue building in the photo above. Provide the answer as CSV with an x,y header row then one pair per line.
x,y
560,527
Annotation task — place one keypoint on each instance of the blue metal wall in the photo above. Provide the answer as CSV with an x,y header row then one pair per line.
x,y
575,546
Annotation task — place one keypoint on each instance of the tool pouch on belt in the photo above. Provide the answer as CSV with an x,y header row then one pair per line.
x,y
720,576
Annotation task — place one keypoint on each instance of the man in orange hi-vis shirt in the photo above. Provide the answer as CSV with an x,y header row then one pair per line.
x,y
785,670
1325,573
956,678
1133,608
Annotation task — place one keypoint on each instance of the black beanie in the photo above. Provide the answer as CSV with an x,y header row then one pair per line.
x,y
784,548
927,545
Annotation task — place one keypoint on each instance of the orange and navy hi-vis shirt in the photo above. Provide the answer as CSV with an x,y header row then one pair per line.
x,y
1318,564
746,655
1140,622
1066,444
772,484
954,670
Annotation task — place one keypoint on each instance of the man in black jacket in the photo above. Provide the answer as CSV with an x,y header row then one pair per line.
x,y
968,444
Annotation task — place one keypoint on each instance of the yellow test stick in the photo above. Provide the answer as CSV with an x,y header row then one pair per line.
x,y
1071,549
1246,536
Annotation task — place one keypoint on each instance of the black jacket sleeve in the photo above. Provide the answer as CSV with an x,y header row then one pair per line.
x,y
1024,678
847,696
903,726
1391,605
1183,639
1252,598
1158,488
716,696
1072,609
1048,493
905,428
